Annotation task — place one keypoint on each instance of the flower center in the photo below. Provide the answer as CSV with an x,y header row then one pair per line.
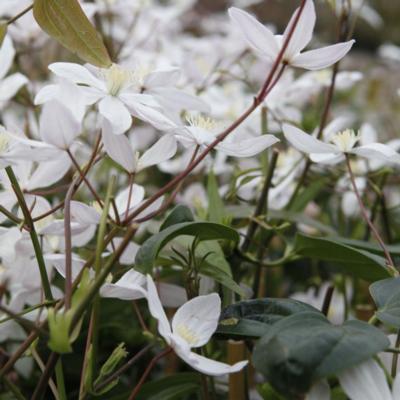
x,y
118,78
345,140
187,334
199,121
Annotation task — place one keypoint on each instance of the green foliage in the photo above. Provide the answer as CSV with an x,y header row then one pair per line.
x,y
253,318
66,22
386,295
303,348
354,261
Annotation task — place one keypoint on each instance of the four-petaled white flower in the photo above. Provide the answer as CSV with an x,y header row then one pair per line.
x,y
341,143
192,326
269,45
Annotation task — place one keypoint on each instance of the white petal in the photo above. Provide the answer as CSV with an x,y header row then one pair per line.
x,y
58,126
303,32
305,142
155,206
78,74
198,318
319,391
7,53
118,147
156,309
129,287
161,151
128,255
58,262
365,381
122,199
256,34
84,214
247,147
208,366
323,57
114,111
377,151
10,86
50,172
327,158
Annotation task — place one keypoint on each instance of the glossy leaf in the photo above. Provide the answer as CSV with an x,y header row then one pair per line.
x,y
252,318
147,254
66,22
357,262
386,295
179,214
304,348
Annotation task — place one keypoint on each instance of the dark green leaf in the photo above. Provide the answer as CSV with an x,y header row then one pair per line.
x,y
252,318
147,254
66,22
179,214
386,295
304,348
359,263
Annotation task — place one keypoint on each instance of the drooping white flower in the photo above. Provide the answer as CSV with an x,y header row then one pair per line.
x,y
367,381
268,45
192,326
342,143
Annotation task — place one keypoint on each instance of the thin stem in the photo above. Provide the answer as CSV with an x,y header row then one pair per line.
x,y
16,392
48,371
10,215
153,362
364,213
327,300
130,185
20,14
32,233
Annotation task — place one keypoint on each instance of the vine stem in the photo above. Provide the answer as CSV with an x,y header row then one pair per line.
x,y
153,362
19,15
364,213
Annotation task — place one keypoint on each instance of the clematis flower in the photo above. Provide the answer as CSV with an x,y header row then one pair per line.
x,y
268,45
367,381
192,326
341,143
116,90
202,131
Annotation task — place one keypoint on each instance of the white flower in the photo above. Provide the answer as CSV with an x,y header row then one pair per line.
x,y
116,90
342,143
202,131
269,45
367,381
192,326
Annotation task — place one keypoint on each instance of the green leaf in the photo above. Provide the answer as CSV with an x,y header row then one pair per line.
x,y
357,262
147,254
66,22
304,348
371,247
308,194
252,318
216,208
179,214
386,295
174,387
